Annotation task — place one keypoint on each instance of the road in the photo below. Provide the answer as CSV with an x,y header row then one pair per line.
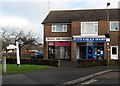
x,y
111,78
51,76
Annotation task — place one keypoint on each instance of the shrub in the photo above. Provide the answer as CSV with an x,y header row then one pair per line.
x,y
114,62
33,61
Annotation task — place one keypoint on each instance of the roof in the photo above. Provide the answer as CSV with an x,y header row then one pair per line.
x,y
67,16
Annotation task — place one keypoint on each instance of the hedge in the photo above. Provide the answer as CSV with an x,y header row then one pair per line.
x,y
33,61
115,62
101,62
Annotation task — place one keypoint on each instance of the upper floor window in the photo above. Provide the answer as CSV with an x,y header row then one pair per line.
x,y
114,25
59,28
89,28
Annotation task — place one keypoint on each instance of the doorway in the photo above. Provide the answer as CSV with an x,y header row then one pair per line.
x,y
89,52
114,52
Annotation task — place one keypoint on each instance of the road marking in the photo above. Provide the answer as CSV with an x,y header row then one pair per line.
x,y
89,82
86,77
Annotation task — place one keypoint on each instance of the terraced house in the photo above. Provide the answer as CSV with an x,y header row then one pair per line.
x,y
82,34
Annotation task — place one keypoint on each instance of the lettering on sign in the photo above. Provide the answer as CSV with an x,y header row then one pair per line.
x,y
90,39
58,38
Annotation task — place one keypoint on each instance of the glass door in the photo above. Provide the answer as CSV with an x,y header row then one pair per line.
x,y
89,52
62,52
51,52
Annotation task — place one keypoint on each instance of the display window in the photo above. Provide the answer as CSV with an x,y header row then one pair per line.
x,y
92,51
59,50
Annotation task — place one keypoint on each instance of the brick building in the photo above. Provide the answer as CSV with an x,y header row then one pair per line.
x,y
79,34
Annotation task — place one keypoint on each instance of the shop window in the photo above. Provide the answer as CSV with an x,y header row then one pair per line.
x,y
59,28
114,26
89,28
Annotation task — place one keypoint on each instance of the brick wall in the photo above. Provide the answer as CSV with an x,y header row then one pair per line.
x,y
103,27
45,50
73,51
75,28
49,33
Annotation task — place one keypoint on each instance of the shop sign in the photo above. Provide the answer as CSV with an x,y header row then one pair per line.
x,y
59,44
58,38
89,39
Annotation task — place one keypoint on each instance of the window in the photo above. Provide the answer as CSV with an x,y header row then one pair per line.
x,y
114,26
88,28
59,28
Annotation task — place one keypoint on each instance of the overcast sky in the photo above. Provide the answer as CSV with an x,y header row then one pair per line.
x,y
29,14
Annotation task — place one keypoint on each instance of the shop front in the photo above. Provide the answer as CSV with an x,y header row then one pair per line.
x,y
90,47
59,49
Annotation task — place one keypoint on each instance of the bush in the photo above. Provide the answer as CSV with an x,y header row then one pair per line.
x,y
115,62
100,62
33,61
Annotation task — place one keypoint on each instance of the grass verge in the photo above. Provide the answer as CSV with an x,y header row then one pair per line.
x,y
13,69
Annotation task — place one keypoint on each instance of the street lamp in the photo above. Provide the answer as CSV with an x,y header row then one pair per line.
x,y
108,4
108,37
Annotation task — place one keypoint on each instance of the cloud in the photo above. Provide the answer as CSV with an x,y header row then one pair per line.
x,y
28,14
16,23
92,4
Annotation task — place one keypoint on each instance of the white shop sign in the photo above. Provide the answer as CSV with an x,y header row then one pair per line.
x,y
58,39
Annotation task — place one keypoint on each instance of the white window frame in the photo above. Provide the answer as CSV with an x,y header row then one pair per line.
x,y
111,29
95,34
64,28
114,56
53,26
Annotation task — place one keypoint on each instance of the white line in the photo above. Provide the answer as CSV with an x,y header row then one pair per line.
x,y
86,77
89,82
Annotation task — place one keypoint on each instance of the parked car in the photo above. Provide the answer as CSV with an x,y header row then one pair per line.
x,y
37,55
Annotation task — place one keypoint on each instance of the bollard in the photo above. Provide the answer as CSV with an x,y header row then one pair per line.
x,y
58,63
4,65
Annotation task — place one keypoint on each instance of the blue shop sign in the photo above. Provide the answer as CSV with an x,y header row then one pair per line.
x,y
89,39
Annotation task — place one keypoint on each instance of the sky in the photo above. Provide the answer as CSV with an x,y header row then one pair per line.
x,y
28,15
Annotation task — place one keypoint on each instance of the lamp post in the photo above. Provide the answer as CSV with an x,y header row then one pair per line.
x,y
108,37
108,4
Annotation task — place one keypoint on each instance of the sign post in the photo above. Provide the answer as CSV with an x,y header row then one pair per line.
x,y
17,53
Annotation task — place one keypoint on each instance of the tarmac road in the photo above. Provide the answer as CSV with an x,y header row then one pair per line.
x,y
110,78
52,76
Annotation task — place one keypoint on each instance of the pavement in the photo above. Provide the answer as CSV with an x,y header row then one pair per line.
x,y
54,76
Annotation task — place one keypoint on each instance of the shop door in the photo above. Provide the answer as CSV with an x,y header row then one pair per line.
x,y
114,52
51,53
89,52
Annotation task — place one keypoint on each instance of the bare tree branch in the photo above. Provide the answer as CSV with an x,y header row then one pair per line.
x,y
24,38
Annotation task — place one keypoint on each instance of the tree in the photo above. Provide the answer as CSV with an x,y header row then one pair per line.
x,y
11,36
